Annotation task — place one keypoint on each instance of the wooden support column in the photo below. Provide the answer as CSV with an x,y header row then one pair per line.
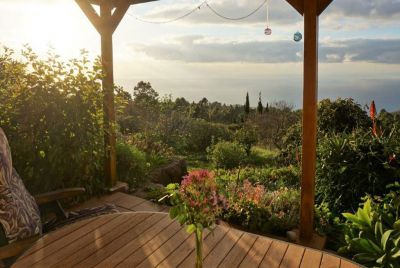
x,y
106,23
106,32
310,101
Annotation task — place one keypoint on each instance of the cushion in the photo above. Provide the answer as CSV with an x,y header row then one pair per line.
x,y
19,213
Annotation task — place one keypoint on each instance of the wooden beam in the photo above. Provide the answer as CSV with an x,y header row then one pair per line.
x,y
322,5
298,5
310,99
117,16
90,13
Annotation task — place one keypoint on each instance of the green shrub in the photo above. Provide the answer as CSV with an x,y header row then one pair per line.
x,y
201,134
341,115
131,164
247,137
271,178
351,165
227,154
372,234
52,114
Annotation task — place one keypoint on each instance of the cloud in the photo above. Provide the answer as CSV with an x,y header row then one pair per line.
x,y
199,49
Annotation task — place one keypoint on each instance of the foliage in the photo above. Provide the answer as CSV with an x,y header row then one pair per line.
x,y
273,125
52,113
198,201
227,154
131,164
271,178
257,210
372,234
202,133
247,137
356,161
342,115
260,107
247,104
262,157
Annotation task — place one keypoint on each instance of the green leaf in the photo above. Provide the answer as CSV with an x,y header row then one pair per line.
x,y
385,238
191,228
378,230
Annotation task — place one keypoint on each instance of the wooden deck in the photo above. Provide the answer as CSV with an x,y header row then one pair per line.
x,y
148,239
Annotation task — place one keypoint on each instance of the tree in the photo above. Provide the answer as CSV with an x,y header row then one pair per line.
x,y
247,104
260,107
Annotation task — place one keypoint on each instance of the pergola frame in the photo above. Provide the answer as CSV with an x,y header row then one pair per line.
x,y
111,14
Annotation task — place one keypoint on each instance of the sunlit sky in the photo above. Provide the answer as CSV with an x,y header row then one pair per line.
x,y
204,55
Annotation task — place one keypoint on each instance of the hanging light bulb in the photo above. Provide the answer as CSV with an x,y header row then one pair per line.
x,y
268,31
297,37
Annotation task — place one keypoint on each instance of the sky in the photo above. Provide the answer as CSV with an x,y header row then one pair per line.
x,y
203,55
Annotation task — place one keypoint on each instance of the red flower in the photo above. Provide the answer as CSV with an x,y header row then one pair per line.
x,y
372,111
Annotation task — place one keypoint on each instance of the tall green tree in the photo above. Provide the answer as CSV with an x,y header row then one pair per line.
x,y
260,107
247,104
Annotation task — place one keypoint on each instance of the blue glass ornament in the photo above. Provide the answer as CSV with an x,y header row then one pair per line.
x,y
297,37
268,31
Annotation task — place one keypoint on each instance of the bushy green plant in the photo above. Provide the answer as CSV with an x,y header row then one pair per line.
x,y
262,157
271,178
341,115
131,164
201,134
372,234
351,165
227,154
247,137
52,114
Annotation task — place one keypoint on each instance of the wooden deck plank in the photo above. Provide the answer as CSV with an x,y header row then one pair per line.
x,y
148,247
121,241
274,255
256,253
293,257
125,245
348,264
81,243
209,243
154,240
126,224
176,257
311,259
239,251
147,206
54,236
130,201
214,258
165,250
330,261
49,249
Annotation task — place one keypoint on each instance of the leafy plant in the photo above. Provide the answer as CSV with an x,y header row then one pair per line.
x,y
372,234
131,164
197,203
227,154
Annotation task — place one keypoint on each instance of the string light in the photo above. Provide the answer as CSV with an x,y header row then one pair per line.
x,y
197,8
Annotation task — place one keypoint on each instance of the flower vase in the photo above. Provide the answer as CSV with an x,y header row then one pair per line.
x,y
199,247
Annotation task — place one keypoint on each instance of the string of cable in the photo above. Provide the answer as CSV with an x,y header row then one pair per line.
x,y
174,19
198,8
238,18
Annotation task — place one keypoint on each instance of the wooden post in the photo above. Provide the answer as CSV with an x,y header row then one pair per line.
x,y
106,23
310,101
106,32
